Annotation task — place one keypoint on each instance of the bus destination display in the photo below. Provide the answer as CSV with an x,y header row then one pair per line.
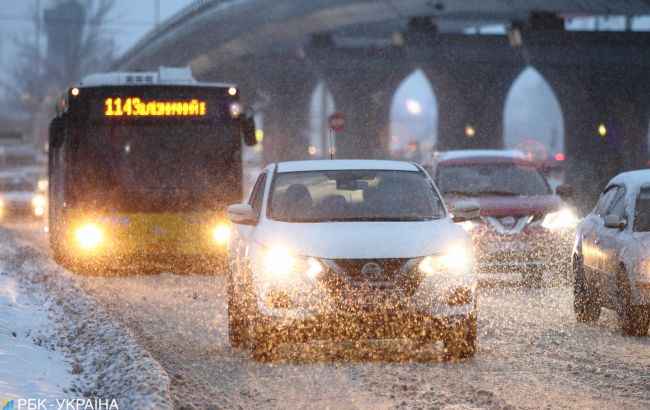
x,y
135,107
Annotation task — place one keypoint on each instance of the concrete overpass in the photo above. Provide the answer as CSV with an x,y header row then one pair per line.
x,y
278,51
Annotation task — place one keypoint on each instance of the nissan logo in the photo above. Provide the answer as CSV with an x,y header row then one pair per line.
x,y
372,270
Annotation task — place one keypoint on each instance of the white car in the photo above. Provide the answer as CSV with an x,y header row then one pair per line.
x,y
611,257
349,249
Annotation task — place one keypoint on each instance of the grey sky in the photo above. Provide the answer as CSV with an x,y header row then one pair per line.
x,y
130,20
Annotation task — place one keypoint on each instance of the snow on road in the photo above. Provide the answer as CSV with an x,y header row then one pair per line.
x,y
531,354
27,368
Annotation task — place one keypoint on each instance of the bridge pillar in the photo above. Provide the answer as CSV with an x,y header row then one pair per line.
x,y
365,99
606,110
470,103
363,82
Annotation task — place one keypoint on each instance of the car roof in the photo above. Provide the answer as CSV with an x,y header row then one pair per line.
x,y
632,179
442,156
345,164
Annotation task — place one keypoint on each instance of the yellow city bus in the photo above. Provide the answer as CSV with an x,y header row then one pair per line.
x,y
141,168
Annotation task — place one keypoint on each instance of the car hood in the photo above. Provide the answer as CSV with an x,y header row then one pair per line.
x,y
362,240
16,197
511,205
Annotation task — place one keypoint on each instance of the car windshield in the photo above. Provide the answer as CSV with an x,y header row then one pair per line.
x,y
353,195
506,179
642,212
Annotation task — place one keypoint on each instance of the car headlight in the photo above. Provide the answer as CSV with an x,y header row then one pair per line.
x,y
38,201
467,225
280,263
562,219
89,236
221,234
455,261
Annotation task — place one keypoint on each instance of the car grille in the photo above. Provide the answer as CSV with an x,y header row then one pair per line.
x,y
510,224
362,275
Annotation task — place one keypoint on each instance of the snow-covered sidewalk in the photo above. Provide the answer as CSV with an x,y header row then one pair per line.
x,y
28,369
65,346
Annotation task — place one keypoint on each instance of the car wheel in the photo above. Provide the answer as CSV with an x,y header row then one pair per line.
x,y
460,342
238,322
265,347
633,320
585,306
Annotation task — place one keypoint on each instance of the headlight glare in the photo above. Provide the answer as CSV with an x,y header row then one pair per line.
x,y
454,260
562,219
467,225
38,201
281,263
314,268
89,236
221,234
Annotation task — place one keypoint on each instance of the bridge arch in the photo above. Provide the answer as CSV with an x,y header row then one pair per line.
x,y
532,112
321,106
413,122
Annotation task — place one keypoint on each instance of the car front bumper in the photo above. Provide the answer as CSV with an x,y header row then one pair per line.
x,y
309,309
535,249
368,324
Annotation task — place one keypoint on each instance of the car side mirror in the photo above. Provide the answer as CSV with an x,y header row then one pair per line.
x,y
466,211
564,191
615,222
56,131
248,128
241,214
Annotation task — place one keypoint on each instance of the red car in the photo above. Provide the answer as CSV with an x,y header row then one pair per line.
x,y
525,228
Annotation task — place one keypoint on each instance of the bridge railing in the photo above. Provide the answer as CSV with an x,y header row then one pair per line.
x,y
167,26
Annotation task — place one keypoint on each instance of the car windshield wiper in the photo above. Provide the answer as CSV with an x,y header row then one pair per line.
x,y
459,192
363,219
497,193
386,218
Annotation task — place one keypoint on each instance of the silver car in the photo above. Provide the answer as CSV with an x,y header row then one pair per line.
x,y
611,255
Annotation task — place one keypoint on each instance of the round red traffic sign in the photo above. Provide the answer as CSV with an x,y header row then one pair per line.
x,y
338,121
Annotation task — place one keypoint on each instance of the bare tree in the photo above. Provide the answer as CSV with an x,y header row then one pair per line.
x,y
77,45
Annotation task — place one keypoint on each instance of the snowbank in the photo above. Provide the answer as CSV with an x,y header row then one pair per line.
x,y
104,356
27,370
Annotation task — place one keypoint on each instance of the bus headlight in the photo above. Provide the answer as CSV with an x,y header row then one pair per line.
x,y
560,220
38,201
453,262
89,236
221,234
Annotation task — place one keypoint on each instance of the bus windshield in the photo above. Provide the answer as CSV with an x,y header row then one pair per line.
x,y
150,166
